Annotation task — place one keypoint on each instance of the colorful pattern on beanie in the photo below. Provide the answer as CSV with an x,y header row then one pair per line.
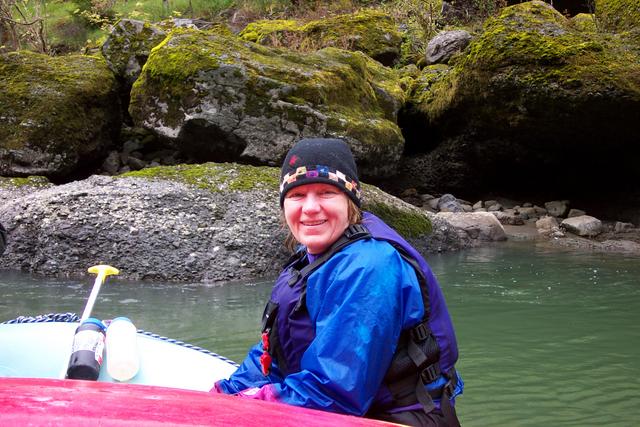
x,y
304,173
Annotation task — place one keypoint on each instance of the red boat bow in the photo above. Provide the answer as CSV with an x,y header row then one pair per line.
x,y
51,402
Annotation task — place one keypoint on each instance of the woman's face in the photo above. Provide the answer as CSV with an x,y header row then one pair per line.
x,y
317,215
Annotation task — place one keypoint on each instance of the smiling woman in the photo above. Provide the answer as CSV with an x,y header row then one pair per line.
x,y
317,215
356,322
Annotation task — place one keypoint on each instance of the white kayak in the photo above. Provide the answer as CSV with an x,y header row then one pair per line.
x,y
42,350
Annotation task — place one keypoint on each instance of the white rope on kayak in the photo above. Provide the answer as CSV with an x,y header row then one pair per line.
x,y
72,317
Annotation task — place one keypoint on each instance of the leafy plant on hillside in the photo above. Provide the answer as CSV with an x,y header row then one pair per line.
x,y
21,26
420,20
95,13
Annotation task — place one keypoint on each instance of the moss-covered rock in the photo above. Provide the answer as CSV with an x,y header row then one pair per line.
x,y
584,22
215,177
57,114
369,31
408,220
218,98
128,45
534,93
12,188
618,15
29,181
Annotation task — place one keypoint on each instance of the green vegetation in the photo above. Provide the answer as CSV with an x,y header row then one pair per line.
x,y
369,31
408,224
74,25
59,26
584,22
29,181
617,15
215,177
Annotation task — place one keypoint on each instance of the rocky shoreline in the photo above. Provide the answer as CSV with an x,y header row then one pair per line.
x,y
556,223
222,227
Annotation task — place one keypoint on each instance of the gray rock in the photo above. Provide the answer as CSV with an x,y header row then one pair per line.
x,y
508,217
186,23
621,227
445,44
547,226
540,211
584,225
482,226
148,229
238,101
575,212
112,163
448,203
128,46
495,207
528,212
426,197
557,208
15,188
224,225
57,114
433,203
135,163
623,246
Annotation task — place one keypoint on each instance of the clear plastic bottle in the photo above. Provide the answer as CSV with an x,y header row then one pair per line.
x,y
86,353
123,360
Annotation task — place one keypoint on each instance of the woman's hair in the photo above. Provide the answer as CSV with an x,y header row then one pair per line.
x,y
354,215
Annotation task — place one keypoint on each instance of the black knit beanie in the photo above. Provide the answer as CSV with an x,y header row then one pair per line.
x,y
328,161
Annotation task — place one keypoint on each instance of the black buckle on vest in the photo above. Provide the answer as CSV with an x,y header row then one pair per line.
x,y
421,332
295,276
450,386
431,373
355,231
448,389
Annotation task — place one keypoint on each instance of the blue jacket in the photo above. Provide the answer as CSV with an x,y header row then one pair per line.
x,y
357,310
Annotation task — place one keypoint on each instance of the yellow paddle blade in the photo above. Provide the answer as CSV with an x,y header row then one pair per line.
x,y
103,270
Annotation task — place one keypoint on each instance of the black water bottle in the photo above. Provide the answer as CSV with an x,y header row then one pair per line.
x,y
86,353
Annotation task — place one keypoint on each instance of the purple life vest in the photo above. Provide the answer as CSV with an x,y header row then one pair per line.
x,y
290,329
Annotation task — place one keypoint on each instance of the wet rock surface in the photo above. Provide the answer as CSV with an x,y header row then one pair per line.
x,y
156,230
204,224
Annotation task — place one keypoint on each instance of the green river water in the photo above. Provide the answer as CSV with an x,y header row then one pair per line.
x,y
547,337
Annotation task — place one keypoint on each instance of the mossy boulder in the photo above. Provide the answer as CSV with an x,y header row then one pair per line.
x,y
618,15
12,188
369,31
57,114
217,98
206,223
128,45
533,97
584,22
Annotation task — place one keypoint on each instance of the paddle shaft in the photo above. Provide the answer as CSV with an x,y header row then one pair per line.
x,y
93,296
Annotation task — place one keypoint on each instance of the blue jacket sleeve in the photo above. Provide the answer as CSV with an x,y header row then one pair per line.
x,y
249,374
360,300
